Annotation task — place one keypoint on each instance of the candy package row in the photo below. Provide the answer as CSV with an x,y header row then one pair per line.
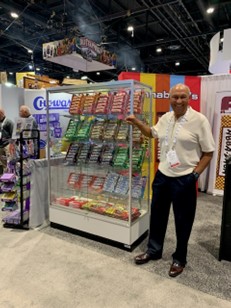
x,y
104,154
106,103
108,130
113,183
119,184
122,158
118,211
85,181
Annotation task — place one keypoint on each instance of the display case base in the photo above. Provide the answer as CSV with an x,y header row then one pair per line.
x,y
100,239
108,228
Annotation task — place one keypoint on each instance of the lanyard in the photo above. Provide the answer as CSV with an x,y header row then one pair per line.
x,y
2,124
180,123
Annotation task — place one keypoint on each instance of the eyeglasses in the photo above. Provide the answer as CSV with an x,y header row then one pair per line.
x,y
176,97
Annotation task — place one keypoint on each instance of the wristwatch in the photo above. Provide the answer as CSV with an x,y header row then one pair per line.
x,y
196,175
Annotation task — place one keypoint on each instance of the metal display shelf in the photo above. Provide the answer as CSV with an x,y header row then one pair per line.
x,y
125,231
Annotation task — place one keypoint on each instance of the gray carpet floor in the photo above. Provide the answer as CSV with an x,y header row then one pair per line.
x,y
50,268
203,272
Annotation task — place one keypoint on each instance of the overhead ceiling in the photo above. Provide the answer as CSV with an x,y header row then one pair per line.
x,y
182,28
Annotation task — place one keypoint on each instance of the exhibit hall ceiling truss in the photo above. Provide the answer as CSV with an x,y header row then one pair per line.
x,y
167,36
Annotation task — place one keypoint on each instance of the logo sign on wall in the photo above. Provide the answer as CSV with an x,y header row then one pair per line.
x,y
39,103
58,107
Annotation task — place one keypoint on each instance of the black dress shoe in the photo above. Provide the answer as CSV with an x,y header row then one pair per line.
x,y
176,269
145,258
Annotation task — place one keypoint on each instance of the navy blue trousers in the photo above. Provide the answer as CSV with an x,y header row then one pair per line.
x,y
181,193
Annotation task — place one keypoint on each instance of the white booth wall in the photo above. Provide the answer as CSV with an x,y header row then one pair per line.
x,y
10,100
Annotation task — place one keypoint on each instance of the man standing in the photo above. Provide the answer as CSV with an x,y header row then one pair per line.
x,y
186,148
24,112
6,129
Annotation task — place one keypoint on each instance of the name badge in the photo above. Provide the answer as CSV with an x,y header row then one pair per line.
x,y
172,159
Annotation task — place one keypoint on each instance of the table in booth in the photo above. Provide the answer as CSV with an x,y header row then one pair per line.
x,y
39,199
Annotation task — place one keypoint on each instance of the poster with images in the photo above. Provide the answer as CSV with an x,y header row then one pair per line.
x,y
222,137
22,124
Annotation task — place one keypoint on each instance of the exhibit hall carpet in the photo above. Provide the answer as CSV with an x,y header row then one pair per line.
x,y
48,268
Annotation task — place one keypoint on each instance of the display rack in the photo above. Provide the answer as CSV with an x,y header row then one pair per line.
x,y
20,172
102,186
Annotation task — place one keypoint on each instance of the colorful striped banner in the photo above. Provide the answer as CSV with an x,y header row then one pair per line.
x,y
161,85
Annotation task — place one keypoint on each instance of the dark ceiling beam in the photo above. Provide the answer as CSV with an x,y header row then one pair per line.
x,y
128,13
192,46
59,7
186,30
28,15
195,23
167,41
227,14
167,58
206,16
25,43
28,39
166,24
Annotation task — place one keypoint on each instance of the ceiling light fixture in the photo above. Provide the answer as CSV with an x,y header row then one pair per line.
x,y
210,10
8,84
97,73
29,51
14,15
158,49
131,29
177,63
133,68
174,47
87,78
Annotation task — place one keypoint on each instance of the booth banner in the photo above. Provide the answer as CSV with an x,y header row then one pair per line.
x,y
161,85
20,76
87,48
222,137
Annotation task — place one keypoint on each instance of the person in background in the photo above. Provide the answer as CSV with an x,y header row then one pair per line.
x,y
24,112
6,130
186,148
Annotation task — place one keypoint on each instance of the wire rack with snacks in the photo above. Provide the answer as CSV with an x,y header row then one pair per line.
x,y
15,182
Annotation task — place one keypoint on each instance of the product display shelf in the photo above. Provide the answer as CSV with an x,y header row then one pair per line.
x,y
19,218
117,210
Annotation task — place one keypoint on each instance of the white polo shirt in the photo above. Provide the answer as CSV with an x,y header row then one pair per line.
x,y
190,137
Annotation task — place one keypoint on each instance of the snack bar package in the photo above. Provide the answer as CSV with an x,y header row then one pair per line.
x,y
76,105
